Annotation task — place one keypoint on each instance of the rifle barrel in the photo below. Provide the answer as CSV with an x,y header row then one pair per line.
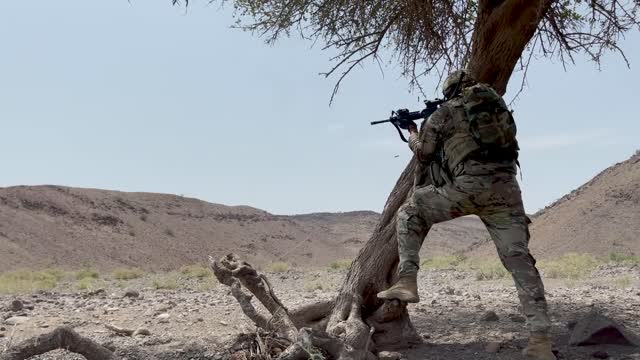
x,y
380,122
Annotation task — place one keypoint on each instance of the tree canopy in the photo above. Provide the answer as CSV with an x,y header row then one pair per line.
x,y
436,36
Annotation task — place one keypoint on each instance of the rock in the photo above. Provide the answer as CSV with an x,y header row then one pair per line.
x,y
16,320
98,292
493,347
132,294
449,290
517,318
597,329
222,322
600,355
489,316
2,328
389,355
16,305
2,335
163,318
142,332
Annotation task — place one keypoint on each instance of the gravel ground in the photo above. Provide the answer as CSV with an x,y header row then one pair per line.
x,y
194,323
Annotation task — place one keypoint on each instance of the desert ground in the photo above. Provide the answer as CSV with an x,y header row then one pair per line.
x,y
188,315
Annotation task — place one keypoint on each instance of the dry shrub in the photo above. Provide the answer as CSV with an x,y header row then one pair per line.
x,y
624,259
127,273
277,267
28,281
571,266
87,273
165,281
196,272
443,262
340,264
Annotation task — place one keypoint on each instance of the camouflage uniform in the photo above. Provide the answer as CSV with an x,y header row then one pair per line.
x,y
486,188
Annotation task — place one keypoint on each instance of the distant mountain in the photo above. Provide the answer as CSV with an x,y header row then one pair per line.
x,y
43,226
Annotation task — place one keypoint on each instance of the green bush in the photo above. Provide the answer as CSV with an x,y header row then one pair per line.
x,y
127,273
490,270
623,282
340,264
624,259
571,266
196,272
27,281
165,282
86,283
87,273
277,267
443,262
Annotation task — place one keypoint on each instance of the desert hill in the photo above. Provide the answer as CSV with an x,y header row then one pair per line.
x,y
599,217
42,226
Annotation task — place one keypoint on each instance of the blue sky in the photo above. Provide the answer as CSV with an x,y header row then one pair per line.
x,y
143,96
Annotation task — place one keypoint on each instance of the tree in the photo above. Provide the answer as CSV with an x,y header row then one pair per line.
x,y
490,38
427,37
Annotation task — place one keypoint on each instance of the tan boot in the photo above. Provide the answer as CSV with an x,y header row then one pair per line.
x,y
406,289
539,348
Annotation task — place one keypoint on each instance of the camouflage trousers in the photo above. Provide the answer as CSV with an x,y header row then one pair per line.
x,y
496,199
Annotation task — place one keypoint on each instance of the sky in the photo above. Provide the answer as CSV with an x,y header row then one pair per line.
x,y
143,96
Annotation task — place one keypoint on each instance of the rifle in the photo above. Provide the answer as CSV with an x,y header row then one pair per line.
x,y
403,118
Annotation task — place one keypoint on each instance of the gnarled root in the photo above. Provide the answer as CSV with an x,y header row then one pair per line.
x,y
60,338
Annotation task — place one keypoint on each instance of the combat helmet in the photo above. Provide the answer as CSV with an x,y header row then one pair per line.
x,y
455,82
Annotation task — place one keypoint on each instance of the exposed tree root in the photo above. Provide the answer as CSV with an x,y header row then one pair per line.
x,y
341,328
61,338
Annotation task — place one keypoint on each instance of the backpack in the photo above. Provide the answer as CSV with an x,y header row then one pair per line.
x,y
490,122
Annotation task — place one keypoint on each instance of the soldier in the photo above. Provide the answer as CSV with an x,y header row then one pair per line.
x,y
477,153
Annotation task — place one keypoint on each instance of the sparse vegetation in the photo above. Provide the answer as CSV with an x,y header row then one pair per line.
x,y
488,270
340,264
571,266
165,281
127,273
196,272
26,281
87,283
317,284
277,267
87,273
443,262
624,259
623,282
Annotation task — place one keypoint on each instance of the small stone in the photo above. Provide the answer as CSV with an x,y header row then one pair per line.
x,y
517,318
200,319
493,347
489,316
389,355
16,305
142,332
2,328
44,326
132,294
163,318
449,290
222,322
2,335
600,355
16,320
